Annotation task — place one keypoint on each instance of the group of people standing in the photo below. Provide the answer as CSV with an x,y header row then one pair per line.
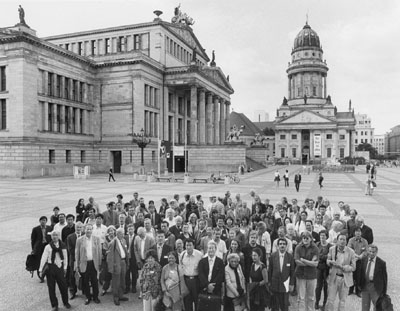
x,y
195,255
296,180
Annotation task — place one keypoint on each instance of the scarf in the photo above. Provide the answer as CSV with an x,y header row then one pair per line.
x,y
58,250
238,284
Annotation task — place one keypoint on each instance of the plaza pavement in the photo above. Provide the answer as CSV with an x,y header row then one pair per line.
x,y
22,202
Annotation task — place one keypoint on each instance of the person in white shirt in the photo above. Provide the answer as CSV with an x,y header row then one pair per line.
x,y
170,217
61,224
221,245
99,229
91,219
149,230
56,257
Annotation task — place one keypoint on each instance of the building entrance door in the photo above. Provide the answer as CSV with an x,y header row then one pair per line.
x,y
117,161
305,146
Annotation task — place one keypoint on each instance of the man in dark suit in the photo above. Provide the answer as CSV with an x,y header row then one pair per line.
x,y
211,271
117,261
161,249
297,181
279,222
201,233
366,232
281,275
247,250
176,230
39,239
154,216
132,269
71,243
373,278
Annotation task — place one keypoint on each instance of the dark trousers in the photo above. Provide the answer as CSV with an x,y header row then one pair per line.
x,y
56,275
90,276
286,182
118,281
72,282
280,301
297,185
131,276
356,276
193,286
322,276
110,176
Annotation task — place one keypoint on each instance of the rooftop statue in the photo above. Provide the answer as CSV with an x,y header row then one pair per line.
x,y
181,17
234,134
258,140
212,64
21,15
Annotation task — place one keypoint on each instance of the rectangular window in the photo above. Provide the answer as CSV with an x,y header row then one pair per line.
x,y
58,129
356,141
283,136
93,47
81,89
3,114
121,44
3,80
67,119
341,137
294,136
341,152
362,140
58,86
362,133
136,42
81,120
80,50
67,156
73,97
294,152
282,152
83,156
170,102
66,88
180,106
50,84
106,45
314,91
50,118
328,136
73,121
328,152
52,156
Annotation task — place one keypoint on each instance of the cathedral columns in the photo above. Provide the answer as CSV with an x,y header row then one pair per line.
x,y
216,121
193,114
202,117
222,120
227,118
210,119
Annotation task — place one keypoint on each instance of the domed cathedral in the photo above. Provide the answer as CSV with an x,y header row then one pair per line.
x,y
308,127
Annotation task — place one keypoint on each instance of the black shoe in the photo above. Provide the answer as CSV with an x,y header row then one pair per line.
x,y
87,301
103,292
123,298
96,300
316,307
116,301
41,280
67,306
358,294
73,296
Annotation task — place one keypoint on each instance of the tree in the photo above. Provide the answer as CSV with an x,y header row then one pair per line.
x,y
373,154
268,131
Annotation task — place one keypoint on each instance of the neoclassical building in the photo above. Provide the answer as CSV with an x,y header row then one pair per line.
x,y
308,127
80,98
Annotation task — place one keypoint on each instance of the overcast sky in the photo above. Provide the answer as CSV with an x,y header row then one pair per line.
x,y
253,41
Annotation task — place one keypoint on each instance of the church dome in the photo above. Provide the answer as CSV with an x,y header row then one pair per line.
x,y
307,38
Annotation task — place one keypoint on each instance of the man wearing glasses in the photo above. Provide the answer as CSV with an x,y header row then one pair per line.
x,y
306,258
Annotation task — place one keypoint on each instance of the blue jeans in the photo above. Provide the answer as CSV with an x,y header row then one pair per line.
x,y
306,294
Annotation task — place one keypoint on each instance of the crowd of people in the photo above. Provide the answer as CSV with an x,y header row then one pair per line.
x,y
194,253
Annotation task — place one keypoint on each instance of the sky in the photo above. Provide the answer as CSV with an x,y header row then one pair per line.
x,y
253,41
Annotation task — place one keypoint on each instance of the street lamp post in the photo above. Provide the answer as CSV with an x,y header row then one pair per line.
x,y
142,141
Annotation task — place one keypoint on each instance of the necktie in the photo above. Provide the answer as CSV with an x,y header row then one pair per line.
x,y
368,270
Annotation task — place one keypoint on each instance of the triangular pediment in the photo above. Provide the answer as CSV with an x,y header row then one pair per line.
x,y
306,117
186,34
216,74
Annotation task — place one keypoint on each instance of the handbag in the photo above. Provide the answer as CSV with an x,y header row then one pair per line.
x,y
45,269
384,303
208,302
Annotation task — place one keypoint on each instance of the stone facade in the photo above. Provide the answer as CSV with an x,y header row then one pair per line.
x,y
79,98
308,127
392,142
364,132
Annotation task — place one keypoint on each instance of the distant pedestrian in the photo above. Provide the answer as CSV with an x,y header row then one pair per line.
x,y
110,175
368,186
320,180
286,178
297,181
277,178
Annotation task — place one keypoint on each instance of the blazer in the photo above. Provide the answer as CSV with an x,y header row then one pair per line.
x,y
277,277
114,256
217,275
157,220
164,254
175,231
366,233
36,239
198,236
81,255
230,281
380,275
148,244
110,218
71,244
297,178
348,269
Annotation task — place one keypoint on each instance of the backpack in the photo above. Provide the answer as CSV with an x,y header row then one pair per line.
x,y
31,264
384,303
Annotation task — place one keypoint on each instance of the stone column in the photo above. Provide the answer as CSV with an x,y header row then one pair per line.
x,y
77,121
311,144
209,119
193,114
222,121
62,119
202,117
54,115
164,110
45,116
325,87
216,121
227,118
289,85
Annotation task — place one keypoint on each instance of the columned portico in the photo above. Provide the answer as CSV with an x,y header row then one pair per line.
x,y
202,117
222,120
210,119
216,121
227,118
193,115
